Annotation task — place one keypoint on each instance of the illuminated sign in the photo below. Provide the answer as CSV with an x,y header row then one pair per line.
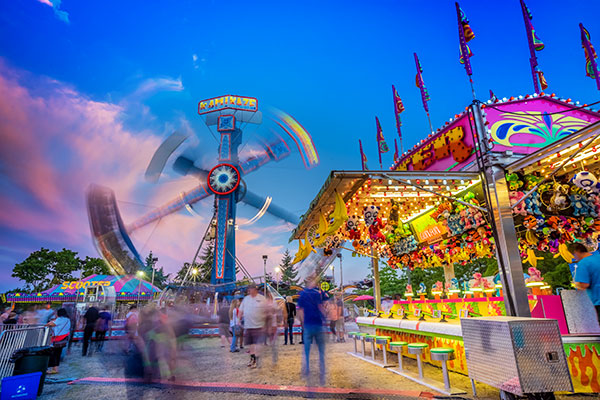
x,y
227,102
83,284
428,229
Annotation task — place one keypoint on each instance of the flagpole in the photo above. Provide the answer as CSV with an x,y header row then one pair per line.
x,y
464,49
429,119
533,58
588,47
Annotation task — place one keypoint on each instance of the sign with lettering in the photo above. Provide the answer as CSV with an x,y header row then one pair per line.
x,y
428,229
83,284
521,126
227,102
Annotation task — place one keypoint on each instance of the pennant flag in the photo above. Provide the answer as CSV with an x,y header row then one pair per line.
x,y
465,35
382,146
537,42
591,67
542,79
421,84
396,154
492,95
398,109
363,157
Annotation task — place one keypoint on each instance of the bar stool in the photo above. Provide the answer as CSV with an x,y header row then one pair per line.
x,y
371,339
443,354
417,349
361,336
383,341
354,335
398,347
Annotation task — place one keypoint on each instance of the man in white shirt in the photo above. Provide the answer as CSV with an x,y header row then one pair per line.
x,y
252,310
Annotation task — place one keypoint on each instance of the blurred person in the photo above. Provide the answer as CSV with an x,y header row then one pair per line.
x,y
6,313
224,326
131,326
29,317
61,328
44,315
252,310
341,322
90,317
273,318
102,326
157,343
12,319
235,324
332,316
290,316
587,273
310,306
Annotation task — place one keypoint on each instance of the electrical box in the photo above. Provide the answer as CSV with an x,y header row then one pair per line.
x,y
517,355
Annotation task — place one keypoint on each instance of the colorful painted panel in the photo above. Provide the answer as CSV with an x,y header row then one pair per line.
x,y
584,364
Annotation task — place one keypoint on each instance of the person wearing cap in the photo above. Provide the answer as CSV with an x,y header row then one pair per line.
x,y
252,310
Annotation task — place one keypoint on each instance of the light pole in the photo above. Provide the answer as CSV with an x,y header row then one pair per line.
x,y
140,274
265,271
332,274
152,264
339,255
277,271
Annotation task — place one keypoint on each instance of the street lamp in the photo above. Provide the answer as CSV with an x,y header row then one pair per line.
x,y
277,271
140,274
152,264
339,255
265,271
332,274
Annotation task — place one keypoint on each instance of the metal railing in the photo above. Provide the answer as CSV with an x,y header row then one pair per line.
x,y
15,337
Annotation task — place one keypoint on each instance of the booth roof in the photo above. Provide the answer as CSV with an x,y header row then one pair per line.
x,y
362,188
122,283
554,155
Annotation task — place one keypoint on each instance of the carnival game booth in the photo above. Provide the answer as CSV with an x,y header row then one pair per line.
x,y
425,213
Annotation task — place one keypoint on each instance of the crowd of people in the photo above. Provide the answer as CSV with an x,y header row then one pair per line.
x,y
154,335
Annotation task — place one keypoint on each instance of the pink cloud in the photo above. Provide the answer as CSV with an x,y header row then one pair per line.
x,y
56,141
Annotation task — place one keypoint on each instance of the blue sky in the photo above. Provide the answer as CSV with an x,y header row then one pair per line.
x,y
82,77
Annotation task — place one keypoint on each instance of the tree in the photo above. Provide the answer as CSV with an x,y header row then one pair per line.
x,y
44,268
160,278
203,268
289,273
390,282
94,265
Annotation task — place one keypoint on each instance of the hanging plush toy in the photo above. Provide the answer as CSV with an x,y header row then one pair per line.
x,y
531,181
394,214
374,223
514,198
587,181
513,181
442,212
352,227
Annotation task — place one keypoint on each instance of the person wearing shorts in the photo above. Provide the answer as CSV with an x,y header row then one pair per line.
x,y
252,311
224,326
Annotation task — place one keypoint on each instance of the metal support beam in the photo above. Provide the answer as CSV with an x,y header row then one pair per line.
x,y
376,286
505,234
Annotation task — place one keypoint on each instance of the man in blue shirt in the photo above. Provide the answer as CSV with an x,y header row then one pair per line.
x,y
587,273
310,312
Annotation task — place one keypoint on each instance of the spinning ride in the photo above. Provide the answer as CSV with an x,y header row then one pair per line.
x,y
224,180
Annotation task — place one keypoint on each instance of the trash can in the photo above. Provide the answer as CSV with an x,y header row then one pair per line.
x,y
32,359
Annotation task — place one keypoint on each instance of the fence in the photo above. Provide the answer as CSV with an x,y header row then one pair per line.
x,y
15,337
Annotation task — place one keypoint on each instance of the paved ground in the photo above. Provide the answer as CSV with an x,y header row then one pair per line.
x,y
203,362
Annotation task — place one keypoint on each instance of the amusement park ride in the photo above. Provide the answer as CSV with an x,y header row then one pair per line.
x,y
224,181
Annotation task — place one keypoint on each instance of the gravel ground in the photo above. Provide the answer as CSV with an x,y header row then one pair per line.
x,y
202,360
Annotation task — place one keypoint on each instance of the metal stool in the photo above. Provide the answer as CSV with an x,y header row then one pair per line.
x,y
417,349
371,339
354,335
443,354
398,347
383,341
361,336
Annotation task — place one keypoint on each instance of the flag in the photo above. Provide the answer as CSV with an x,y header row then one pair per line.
x,y
492,95
591,67
363,158
382,146
396,154
537,42
421,84
465,35
398,108
543,83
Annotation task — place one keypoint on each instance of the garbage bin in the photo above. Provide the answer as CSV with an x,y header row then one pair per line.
x,y
32,359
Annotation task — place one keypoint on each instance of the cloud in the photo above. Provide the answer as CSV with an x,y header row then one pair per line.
x,y
58,13
56,141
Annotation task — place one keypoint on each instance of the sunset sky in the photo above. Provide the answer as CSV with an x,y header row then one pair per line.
x,y
90,89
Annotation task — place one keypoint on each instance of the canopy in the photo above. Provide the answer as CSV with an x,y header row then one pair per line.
x,y
127,288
